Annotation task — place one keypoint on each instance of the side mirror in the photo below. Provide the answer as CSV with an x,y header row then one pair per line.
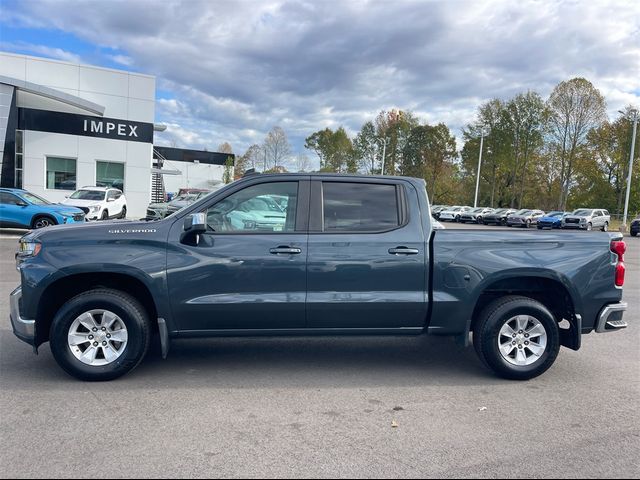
x,y
22,204
194,225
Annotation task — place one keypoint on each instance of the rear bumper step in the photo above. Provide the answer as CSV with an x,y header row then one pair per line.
x,y
610,318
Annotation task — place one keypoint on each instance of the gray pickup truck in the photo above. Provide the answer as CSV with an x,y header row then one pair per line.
x,y
334,255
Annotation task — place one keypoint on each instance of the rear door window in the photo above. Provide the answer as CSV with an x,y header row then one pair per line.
x,y
359,207
8,199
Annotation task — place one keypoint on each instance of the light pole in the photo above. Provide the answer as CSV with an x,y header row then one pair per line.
x,y
633,112
483,133
384,151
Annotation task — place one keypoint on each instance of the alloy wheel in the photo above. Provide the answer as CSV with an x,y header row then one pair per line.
x,y
97,337
522,340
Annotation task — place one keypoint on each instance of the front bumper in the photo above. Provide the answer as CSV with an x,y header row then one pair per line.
x,y
579,226
23,328
610,318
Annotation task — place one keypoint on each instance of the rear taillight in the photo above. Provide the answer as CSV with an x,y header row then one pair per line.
x,y
619,248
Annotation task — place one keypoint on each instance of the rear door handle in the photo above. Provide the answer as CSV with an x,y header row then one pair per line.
x,y
404,251
286,250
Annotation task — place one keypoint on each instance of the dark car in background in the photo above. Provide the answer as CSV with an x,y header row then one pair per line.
x,y
498,217
436,209
157,211
635,226
552,220
524,218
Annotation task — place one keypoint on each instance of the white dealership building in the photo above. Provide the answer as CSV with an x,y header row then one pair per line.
x,y
64,126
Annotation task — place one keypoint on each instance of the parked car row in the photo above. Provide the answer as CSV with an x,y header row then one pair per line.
x,y
582,218
22,209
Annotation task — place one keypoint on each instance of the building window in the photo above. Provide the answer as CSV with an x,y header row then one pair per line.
x,y
61,173
110,174
19,157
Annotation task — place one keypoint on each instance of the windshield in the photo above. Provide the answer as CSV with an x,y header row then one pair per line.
x,y
477,210
88,195
555,214
523,212
34,199
500,210
582,213
183,198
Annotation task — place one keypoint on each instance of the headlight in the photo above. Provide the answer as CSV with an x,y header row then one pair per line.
x,y
67,214
29,249
583,220
95,208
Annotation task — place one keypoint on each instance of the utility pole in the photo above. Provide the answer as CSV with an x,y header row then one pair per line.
x,y
633,147
482,135
384,151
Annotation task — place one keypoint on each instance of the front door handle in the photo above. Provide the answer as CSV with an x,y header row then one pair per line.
x,y
404,251
286,250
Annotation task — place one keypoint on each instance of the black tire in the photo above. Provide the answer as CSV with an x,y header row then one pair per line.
x,y
539,227
130,311
486,335
457,219
633,234
605,227
123,214
528,224
105,215
42,221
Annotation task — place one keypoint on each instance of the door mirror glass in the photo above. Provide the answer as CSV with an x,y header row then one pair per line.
x,y
195,223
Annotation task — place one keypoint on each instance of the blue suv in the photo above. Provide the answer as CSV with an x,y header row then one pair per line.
x,y
21,209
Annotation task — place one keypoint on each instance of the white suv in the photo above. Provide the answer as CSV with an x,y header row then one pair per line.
x,y
587,219
99,203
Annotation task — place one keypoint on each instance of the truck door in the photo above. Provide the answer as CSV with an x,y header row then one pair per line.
x,y
367,259
249,270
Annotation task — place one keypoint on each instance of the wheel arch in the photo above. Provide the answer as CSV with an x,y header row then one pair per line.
x,y
549,288
63,289
50,216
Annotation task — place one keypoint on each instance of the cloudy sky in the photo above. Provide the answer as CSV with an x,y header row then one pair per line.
x,y
231,70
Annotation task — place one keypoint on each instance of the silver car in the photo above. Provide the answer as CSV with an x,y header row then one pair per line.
x,y
452,214
588,219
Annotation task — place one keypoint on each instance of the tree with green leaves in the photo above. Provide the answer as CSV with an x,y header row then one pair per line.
x,y
430,153
394,126
227,176
335,150
575,107
367,148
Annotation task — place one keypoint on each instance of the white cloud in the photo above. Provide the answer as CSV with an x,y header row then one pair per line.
x,y
41,50
238,68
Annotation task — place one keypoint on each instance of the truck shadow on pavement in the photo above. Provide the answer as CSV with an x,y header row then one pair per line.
x,y
318,362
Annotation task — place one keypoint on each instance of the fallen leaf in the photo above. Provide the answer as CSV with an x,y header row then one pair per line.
x,y
394,424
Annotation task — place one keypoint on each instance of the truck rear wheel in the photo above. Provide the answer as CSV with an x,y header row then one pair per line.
x,y
517,337
100,334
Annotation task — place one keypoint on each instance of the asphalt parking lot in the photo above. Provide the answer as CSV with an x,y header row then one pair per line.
x,y
323,407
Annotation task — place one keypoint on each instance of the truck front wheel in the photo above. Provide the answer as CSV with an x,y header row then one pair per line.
x,y
517,337
100,334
